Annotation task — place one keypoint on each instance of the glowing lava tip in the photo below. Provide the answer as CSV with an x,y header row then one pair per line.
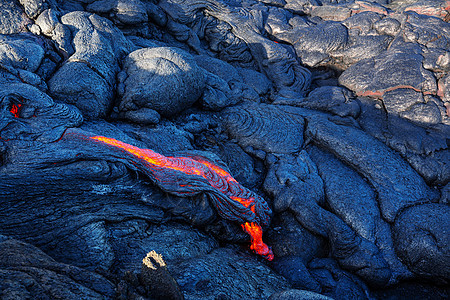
x,y
258,245
157,166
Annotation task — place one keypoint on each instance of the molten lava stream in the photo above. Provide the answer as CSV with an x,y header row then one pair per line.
x,y
217,177
258,245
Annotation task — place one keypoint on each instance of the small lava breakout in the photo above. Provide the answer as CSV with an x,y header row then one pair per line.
x,y
192,175
15,110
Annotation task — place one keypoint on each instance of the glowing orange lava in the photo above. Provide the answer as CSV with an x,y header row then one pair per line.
x,y
258,245
15,110
217,177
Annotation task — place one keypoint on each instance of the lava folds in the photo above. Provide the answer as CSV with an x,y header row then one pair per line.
x,y
197,174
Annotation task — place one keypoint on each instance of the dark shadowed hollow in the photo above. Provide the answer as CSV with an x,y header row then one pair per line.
x,y
224,149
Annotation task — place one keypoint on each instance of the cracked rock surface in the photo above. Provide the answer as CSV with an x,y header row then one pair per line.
x,y
335,115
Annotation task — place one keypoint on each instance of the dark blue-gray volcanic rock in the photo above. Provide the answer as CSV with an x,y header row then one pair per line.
x,y
356,203
335,282
21,52
28,273
400,67
33,7
39,118
422,240
426,149
50,25
397,184
258,81
71,232
225,86
130,12
242,166
244,36
297,295
412,290
295,271
264,127
297,187
332,99
291,239
12,18
164,79
313,43
87,78
23,57
144,116
227,273
293,247
175,242
218,94
342,173
155,137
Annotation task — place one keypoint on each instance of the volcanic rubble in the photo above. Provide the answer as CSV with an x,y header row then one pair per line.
x,y
324,123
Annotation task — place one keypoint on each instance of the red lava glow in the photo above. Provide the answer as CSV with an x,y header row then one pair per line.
x,y
258,245
215,175
15,110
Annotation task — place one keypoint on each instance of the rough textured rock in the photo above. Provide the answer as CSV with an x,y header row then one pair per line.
x,y
210,276
422,242
87,78
21,52
400,67
332,99
297,187
413,290
436,8
50,26
33,7
27,272
356,203
164,79
292,239
297,295
175,242
225,85
242,166
157,280
413,142
265,128
218,94
258,81
12,18
245,31
395,192
126,12
294,246
313,43
155,137
336,283
333,117
37,116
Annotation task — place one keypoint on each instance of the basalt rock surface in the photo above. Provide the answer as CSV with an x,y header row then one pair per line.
x,y
163,79
320,127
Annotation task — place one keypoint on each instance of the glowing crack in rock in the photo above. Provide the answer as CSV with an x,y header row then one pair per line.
x,y
194,174
15,110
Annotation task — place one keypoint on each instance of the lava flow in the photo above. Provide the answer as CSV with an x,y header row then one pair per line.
x,y
195,174
15,110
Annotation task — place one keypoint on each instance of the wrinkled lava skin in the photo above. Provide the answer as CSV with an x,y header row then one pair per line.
x,y
184,176
338,111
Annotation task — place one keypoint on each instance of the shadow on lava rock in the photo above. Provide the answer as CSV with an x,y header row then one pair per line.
x,y
76,189
117,118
